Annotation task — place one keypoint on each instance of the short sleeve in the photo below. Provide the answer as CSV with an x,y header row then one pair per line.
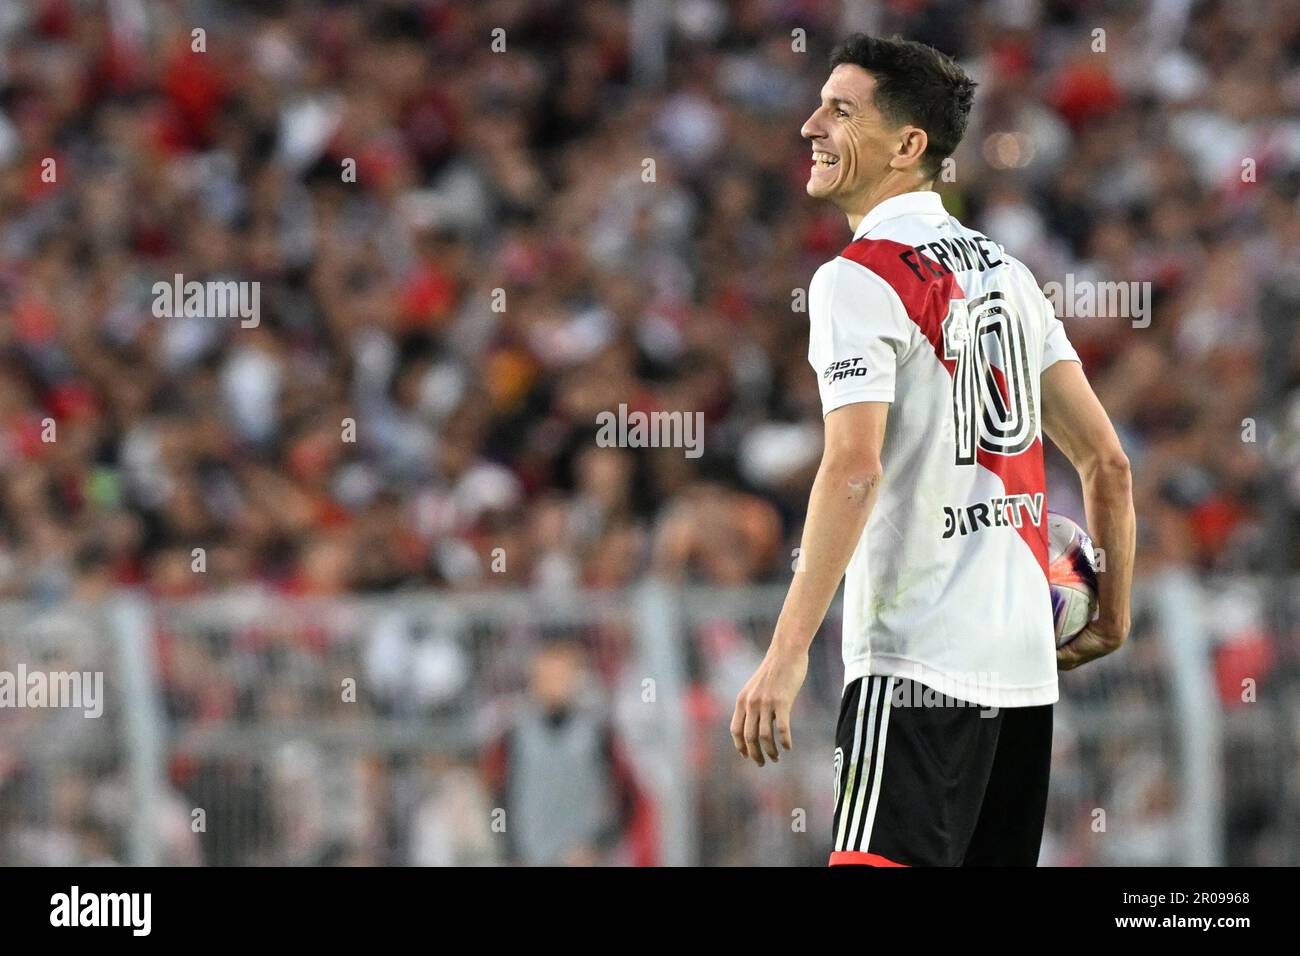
x,y
858,331
1056,346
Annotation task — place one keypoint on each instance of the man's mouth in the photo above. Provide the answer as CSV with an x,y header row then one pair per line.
x,y
824,160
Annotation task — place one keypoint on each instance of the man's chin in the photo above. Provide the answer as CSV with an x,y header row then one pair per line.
x,y
819,190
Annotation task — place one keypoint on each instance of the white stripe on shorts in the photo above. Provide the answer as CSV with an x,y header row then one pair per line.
x,y
878,687
854,759
865,842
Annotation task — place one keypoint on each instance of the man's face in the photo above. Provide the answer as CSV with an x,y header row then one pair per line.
x,y
851,141
556,671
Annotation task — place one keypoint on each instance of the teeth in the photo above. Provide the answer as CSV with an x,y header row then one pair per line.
x,y
825,159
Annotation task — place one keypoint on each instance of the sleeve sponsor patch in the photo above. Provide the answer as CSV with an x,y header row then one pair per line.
x,y
855,367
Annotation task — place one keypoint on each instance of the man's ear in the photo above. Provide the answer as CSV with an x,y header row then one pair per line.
x,y
911,147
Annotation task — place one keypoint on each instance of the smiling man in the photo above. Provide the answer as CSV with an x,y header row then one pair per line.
x,y
940,365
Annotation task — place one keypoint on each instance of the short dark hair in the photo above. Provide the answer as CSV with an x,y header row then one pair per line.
x,y
916,85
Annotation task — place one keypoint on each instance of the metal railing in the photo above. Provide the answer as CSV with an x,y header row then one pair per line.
x,y
254,729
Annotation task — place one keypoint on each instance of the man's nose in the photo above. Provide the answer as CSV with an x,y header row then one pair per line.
x,y
811,128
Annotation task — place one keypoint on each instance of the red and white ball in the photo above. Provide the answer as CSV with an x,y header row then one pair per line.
x,y
1072,574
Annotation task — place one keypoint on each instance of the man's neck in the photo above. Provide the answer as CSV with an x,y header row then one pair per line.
x,y
887,189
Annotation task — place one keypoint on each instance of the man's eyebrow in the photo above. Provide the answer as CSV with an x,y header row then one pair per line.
x,y
840,101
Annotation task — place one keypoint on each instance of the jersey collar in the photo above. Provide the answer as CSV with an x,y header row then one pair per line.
x,y
919,203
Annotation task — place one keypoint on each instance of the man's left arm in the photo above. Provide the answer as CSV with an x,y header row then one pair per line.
x,y
843,494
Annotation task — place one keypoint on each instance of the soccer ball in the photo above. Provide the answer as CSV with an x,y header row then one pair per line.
x,y
1072,574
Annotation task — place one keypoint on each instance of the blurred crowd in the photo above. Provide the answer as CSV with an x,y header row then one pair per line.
x,y
477,226
533,237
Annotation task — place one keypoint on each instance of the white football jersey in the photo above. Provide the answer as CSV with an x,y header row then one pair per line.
x,y
948,584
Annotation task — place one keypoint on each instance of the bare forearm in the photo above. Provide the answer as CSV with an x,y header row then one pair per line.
x,y
1108,500
838,508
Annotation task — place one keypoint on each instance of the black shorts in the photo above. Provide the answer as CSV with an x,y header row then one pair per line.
x,y
927,780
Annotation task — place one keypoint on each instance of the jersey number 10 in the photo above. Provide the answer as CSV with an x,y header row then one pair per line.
x,y
993,402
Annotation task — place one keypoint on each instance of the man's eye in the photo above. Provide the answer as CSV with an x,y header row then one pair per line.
x,y
841,113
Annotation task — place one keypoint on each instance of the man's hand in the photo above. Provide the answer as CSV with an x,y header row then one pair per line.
x,y
1092,642
766,701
